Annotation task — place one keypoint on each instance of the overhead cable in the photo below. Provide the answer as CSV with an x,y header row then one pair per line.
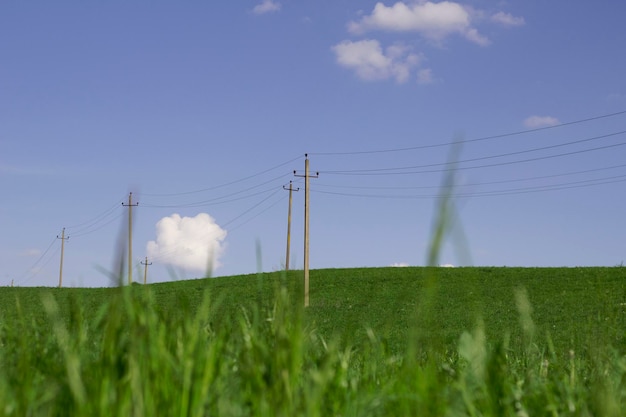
x,y
520,190
485,138
454,167
417,187
224,184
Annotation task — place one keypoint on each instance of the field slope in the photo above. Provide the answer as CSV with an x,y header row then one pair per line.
x,y
375,341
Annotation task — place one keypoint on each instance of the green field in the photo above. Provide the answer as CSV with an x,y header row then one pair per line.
x,y
375,341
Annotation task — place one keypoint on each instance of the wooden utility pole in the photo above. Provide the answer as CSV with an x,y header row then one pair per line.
x,y
130,236
291,189
306,176
63,239
145,270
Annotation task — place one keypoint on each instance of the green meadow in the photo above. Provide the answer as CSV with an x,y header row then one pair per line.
x,y
374,342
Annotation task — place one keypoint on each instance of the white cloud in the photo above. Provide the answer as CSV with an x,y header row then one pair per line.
x,y
534,122
30,253
425,76
508,19
370,62
267,6
399,264
434,21
446,266
472,35
192,243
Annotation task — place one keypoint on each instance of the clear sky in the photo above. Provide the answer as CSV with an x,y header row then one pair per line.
x,y
203,110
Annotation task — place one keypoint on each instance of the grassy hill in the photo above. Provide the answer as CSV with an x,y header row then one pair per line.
x,y
569,305
375,341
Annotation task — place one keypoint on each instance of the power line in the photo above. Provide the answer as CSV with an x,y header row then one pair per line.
x,y
120,214
87,224
34,272
222,199
166,254
473,184
482,158
458,168
260,212
227,184
251,208
485,138
543,188
37,261
521,190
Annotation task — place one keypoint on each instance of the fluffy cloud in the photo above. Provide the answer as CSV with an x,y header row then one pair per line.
x,y
399,265
434,21
267,6
425,76
30,253
534,122
508,19
191,243
370,62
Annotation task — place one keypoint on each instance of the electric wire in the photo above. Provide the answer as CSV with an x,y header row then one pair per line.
x,y
38,271
96,219
251,208
258,214
224,184
221,199
480,139
299,180
520,190
109,215
482,158
473,184
543,188
74,235
454,166
166,254
35,264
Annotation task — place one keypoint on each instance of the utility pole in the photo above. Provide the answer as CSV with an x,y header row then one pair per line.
x,y
306,176
130,236
291,189
63,239
145,270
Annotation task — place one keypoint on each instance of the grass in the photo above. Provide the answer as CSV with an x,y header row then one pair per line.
x,y
375,341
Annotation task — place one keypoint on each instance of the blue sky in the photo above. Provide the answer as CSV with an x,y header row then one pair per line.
x,y
203,110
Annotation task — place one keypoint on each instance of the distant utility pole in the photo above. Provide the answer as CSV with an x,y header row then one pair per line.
x,y
63,239
291,189
130,206
306,176
145,270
